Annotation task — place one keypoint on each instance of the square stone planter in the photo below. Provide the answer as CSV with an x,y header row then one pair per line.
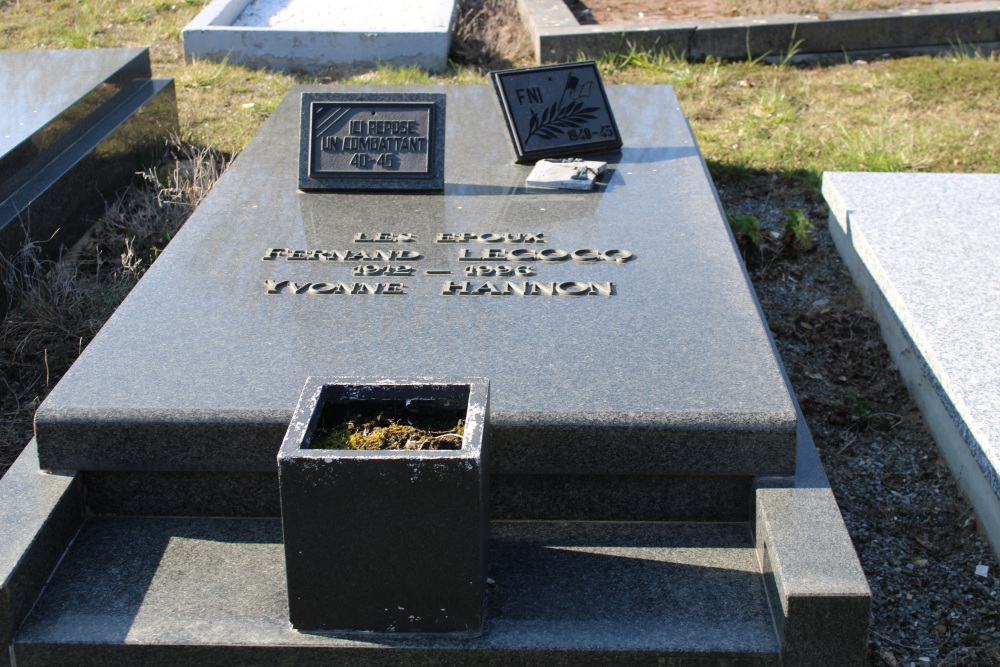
x,y
386,540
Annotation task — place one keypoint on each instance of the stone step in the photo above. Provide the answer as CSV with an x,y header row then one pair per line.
x,y
165,591
144,590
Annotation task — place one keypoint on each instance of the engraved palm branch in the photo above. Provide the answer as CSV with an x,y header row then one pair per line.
x,y
556,120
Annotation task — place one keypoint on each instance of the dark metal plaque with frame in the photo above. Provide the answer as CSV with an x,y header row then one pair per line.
x,y
556,110
372,141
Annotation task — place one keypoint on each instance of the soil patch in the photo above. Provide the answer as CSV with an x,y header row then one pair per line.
x,y
914,533
640,11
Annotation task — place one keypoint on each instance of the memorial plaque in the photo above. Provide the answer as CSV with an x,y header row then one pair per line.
x,y
374,141
556,110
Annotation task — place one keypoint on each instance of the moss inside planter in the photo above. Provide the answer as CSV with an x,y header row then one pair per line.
x,y
373,425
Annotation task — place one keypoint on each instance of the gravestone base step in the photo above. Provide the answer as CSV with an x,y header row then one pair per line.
x,y
167,591
513,497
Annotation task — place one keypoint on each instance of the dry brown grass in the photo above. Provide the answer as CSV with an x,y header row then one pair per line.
x,y
489,34
61,306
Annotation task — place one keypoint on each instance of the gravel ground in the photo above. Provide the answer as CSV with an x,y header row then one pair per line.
x,y
914,532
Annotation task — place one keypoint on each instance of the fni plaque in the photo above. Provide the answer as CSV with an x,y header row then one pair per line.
x,y
372,141
556,110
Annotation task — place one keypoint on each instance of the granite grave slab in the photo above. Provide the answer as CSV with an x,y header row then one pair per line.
x,y
489,279
923,250
76,127
626,354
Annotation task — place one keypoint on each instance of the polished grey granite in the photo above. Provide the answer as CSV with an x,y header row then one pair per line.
x,y
39,515
62,195
672,373
165,591
621,497
536,497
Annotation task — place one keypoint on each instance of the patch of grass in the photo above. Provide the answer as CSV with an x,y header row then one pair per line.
x,y
746,228
922,114
627,54
798,229
391,75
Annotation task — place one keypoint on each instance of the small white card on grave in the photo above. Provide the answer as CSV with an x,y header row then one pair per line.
x,y
567,173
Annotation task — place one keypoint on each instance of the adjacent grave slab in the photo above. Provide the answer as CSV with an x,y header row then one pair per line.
x,y
615,362
923,250
311,35
48,94
76,127
557,35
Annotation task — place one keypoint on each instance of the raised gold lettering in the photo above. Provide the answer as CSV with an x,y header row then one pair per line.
x,y
585,255
277,287
570,288
552,255
452,288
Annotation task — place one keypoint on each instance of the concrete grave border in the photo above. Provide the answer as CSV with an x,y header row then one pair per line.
x,y
556,35
211,35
